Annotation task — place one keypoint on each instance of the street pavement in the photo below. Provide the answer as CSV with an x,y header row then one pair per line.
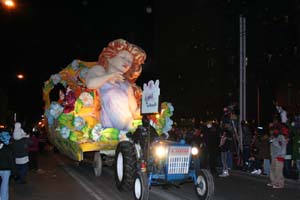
x,y
60,179
50,183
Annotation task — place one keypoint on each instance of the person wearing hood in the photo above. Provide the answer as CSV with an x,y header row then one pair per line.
x,y
19,132
6,163
278,152
20,145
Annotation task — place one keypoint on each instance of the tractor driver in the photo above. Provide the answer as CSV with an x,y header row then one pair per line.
x,y
141,134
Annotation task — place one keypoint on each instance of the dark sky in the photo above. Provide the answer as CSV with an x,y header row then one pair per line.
x,y
192,47
39,38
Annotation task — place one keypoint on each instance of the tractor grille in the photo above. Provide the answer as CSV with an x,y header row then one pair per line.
x,y
179,159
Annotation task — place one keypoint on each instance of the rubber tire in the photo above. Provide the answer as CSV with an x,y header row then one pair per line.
x,y
205,176
128,152
143,178
97,164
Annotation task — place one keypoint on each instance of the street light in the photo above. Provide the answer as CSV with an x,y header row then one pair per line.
x,y
9,3
20,76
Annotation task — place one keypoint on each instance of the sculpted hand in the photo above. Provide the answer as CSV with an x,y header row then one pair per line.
x,y
116,77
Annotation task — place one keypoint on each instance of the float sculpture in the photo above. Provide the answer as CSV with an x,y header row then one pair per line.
x,y
90,106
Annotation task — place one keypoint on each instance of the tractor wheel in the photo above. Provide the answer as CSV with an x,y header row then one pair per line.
x,y
97,164
141,186
204,185
125,165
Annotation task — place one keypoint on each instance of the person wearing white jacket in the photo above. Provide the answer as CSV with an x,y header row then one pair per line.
x,y
21,144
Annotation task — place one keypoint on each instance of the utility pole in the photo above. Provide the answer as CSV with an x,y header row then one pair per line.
x,y
242,80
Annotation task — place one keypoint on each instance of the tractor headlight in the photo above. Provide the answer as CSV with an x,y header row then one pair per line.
x,y
161,151
195,151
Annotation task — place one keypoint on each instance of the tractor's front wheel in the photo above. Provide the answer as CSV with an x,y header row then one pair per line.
x,y
141,186
204,185
125,165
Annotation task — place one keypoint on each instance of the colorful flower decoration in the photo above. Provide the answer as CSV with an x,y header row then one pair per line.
x,y
79,123
55,110
95,133
87,99
56,78
163,123
65,132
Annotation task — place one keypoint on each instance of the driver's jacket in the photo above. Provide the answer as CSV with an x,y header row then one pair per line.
x,y
141,135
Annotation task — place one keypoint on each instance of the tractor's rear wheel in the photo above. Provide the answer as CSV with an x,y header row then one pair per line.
x,y
125,165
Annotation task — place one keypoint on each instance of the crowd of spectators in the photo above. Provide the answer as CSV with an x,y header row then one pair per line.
x,y
220,141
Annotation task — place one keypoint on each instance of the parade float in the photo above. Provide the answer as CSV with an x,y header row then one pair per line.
x,y
74,119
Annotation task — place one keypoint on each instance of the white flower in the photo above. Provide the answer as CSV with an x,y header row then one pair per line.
x,y
55,78
55,110
65,132
168,125
170,107
79,123
96,132
86,98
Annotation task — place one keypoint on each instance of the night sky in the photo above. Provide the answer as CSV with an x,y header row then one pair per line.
x,y
39,38
192,47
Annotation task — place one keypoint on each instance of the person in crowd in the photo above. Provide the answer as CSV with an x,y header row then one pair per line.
x,y
247,137
282,113
33,152
254,159
20,145
172,133
230,151
189,135
198,140
224,148
118,67
212,139
278,152
6,164
264,152
287,167
296,147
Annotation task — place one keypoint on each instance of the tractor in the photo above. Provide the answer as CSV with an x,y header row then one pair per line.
x,y
143,163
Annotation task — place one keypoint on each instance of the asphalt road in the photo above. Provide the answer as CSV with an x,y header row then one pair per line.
x,y
62,179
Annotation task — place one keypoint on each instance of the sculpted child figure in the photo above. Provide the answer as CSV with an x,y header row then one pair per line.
x,y
119,65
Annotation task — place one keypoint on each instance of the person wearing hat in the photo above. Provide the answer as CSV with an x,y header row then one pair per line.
x,y
6,164
21,145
